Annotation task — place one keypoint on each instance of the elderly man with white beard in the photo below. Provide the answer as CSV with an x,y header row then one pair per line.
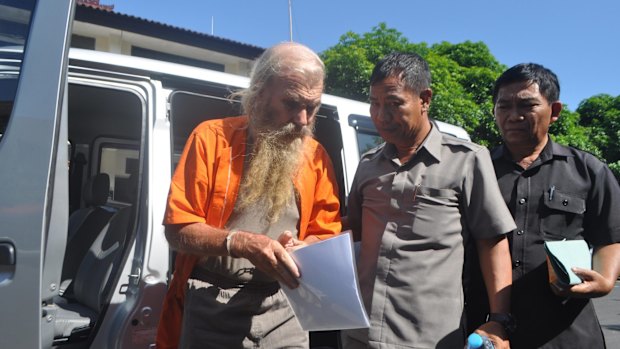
x,y
246,189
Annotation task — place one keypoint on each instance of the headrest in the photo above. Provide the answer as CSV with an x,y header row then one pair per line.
x,y
96,190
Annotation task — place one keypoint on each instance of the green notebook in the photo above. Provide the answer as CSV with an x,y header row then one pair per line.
x,y
564,255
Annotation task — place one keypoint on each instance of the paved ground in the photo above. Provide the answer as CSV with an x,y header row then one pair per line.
x,y
608,311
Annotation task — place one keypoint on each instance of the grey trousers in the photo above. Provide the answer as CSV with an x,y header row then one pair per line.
x,y
228,318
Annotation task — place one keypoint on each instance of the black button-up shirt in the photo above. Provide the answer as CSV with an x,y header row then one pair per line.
x,y
564,194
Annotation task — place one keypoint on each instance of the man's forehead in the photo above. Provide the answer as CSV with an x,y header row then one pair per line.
x,y
519,90
390,88
298,86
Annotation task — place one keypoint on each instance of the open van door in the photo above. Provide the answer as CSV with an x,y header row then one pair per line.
x,y
34,42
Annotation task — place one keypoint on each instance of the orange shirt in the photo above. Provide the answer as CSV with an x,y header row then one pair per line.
x,y
204,189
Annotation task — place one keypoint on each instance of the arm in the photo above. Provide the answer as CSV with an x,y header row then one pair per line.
x,y
266,254
496,267
602,231
599,281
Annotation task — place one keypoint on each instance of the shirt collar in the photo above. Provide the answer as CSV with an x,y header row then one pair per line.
x,y
550,151
432,144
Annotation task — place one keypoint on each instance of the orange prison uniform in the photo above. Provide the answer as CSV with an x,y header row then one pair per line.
x,y
204,189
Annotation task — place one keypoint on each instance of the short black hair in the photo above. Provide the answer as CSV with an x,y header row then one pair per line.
x,y
411,68
547,81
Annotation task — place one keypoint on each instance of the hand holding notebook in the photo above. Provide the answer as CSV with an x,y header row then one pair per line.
x,y
562,256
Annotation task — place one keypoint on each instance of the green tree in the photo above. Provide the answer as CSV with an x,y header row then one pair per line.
x,y
350,62
463,77
601,115
462,94
567,130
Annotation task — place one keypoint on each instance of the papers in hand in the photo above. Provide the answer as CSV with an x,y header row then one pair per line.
x,y
328,296
564,255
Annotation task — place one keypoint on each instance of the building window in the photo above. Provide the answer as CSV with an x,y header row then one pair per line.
x,y
79,41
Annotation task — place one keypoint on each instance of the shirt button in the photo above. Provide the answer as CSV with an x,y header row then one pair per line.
x,y
517,263
522,201
519,232
565,202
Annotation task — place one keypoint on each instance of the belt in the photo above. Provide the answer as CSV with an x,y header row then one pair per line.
x,y
224,282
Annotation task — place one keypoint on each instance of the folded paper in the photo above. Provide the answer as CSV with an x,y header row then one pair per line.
x,y
328,296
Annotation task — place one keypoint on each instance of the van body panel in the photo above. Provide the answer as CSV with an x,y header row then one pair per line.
x,y
33,183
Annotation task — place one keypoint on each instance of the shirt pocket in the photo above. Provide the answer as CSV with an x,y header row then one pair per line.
x,y
435,213
562,216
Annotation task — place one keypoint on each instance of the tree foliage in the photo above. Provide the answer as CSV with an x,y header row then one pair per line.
x,y
350,62
600,114
463,77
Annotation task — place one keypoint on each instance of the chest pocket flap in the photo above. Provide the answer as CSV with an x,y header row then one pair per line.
x,y
565,202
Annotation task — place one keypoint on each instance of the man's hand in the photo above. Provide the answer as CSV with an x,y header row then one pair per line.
x,y
496,333
593,285
600,280
287,240
267,255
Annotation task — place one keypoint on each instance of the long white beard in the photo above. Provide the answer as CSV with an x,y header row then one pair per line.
x,y
275,160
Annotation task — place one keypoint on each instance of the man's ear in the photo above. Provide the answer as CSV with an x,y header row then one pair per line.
x,y
425,96
556,109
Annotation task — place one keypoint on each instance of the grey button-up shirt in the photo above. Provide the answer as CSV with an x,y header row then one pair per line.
x,y
414,219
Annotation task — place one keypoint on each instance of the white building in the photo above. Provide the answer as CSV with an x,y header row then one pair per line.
x,y
98,27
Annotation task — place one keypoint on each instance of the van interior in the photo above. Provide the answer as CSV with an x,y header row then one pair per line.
x,y
105,154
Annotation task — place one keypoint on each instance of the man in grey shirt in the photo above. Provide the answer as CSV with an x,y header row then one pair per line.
x,y
415,202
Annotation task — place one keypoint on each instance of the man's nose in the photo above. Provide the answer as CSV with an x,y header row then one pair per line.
x,y
514,115
382,115
301,117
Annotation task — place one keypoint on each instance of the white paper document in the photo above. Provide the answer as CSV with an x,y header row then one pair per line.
x,y
328,297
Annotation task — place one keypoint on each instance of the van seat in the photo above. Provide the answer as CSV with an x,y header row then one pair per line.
x,y
78,307
71,318
85,224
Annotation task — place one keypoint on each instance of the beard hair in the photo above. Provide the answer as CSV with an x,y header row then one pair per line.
x,y
275,159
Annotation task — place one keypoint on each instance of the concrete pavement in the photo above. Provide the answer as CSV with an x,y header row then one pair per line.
x,y
608,312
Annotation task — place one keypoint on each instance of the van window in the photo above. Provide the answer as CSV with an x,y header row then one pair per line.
x,y
14,25
188,110
106,131
121,164
367,141
366,133
327,132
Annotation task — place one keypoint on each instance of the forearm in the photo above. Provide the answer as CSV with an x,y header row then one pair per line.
x,y
606,261
198,239
267,254
496,267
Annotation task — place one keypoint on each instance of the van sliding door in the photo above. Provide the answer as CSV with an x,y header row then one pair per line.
x,y
34,41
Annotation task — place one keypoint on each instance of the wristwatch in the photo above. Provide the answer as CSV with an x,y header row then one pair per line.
x,y
504,319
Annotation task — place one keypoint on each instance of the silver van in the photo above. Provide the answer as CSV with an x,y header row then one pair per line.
x,y
88,143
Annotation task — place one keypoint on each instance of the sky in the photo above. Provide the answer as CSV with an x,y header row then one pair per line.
x,y
578,40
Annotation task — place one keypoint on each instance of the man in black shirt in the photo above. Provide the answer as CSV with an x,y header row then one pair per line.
x,y
554,192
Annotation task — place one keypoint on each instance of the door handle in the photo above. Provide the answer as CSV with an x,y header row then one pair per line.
x,y
7,254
